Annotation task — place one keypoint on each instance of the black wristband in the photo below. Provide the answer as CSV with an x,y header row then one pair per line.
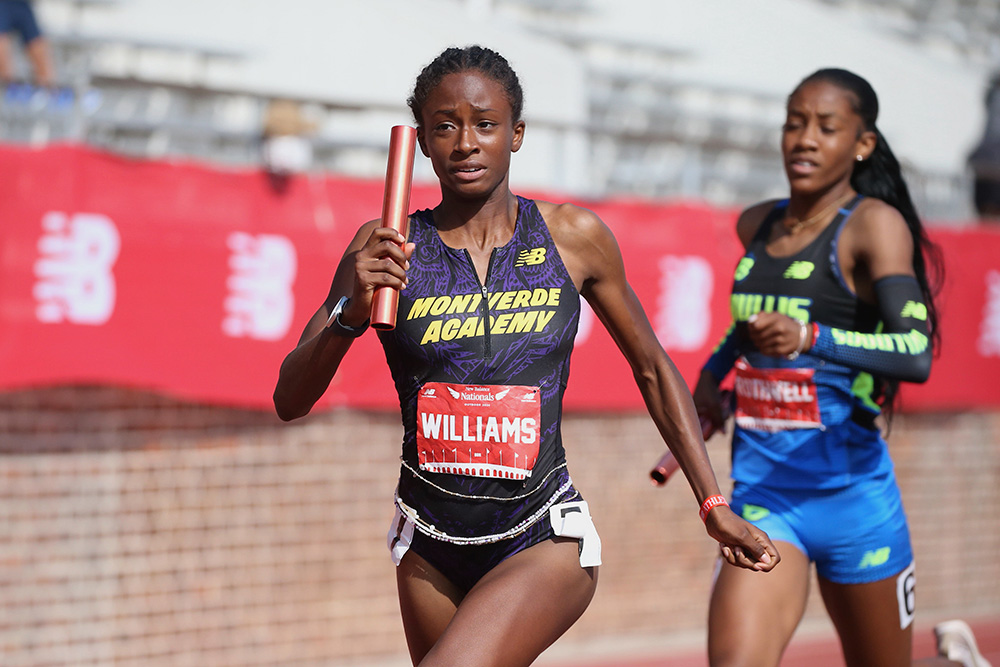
x,y
341,329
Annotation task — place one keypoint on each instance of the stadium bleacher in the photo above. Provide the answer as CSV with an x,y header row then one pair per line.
x,y
646,130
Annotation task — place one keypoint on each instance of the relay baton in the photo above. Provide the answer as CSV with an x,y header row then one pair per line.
x,y
668,465
395,205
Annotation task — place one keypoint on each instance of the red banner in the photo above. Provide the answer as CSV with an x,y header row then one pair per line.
x,y
195,281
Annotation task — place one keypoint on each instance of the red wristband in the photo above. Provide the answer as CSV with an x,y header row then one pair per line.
x,y
710,502
815,335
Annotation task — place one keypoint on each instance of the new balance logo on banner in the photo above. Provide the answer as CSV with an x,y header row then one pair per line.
x,y
260,303
683,315
74,275
988,343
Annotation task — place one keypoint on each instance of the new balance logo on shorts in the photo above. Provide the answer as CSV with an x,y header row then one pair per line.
x,y
754,512
874,558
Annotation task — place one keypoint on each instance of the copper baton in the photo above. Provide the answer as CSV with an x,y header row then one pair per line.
x,y
395,207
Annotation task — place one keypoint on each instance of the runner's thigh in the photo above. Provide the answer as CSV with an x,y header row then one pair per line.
x,y
752,615
427,602
868,619
518,608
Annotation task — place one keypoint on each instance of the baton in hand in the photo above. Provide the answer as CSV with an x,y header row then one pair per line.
x,y
395,205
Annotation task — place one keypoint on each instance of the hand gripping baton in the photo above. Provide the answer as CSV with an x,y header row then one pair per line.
x,y
395,207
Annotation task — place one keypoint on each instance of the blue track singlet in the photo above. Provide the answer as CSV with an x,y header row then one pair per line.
x,y
809,465
480,369
807,423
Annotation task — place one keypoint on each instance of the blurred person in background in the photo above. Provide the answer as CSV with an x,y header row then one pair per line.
x,y
494,563
833,306
985,159
18,16
285,146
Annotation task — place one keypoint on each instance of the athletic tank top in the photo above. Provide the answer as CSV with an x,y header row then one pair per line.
x,y
480,369
831,441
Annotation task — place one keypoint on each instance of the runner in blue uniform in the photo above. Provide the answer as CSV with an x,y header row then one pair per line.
x,y
497,554
832,307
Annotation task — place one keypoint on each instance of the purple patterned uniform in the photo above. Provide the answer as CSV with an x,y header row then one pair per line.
x,y
507,341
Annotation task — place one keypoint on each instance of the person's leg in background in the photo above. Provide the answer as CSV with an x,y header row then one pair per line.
x,y
18,16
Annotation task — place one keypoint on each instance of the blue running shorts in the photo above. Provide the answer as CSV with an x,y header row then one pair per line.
x,y
855,535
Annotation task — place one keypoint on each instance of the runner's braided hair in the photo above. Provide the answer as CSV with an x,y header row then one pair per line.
x,y
455,60
880,176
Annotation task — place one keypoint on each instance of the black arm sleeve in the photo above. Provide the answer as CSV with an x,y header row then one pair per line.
x,y
900,350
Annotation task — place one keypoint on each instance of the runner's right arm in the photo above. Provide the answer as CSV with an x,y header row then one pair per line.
x,y
373,259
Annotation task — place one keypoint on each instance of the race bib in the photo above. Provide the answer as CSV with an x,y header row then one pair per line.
x,y
775,399
478,430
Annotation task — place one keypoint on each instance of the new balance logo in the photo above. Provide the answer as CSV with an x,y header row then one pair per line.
x,y
874,558
683,317
260,303
74,271
530,257
988,344
743,268
754,512
917,311
799,270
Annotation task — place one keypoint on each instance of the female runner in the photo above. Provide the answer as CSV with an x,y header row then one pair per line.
x,y
832,307
497,555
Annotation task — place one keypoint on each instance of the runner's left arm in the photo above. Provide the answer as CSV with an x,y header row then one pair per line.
x,y
592,251
707,398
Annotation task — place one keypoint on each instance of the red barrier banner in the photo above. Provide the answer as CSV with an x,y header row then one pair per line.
x,y
195,281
